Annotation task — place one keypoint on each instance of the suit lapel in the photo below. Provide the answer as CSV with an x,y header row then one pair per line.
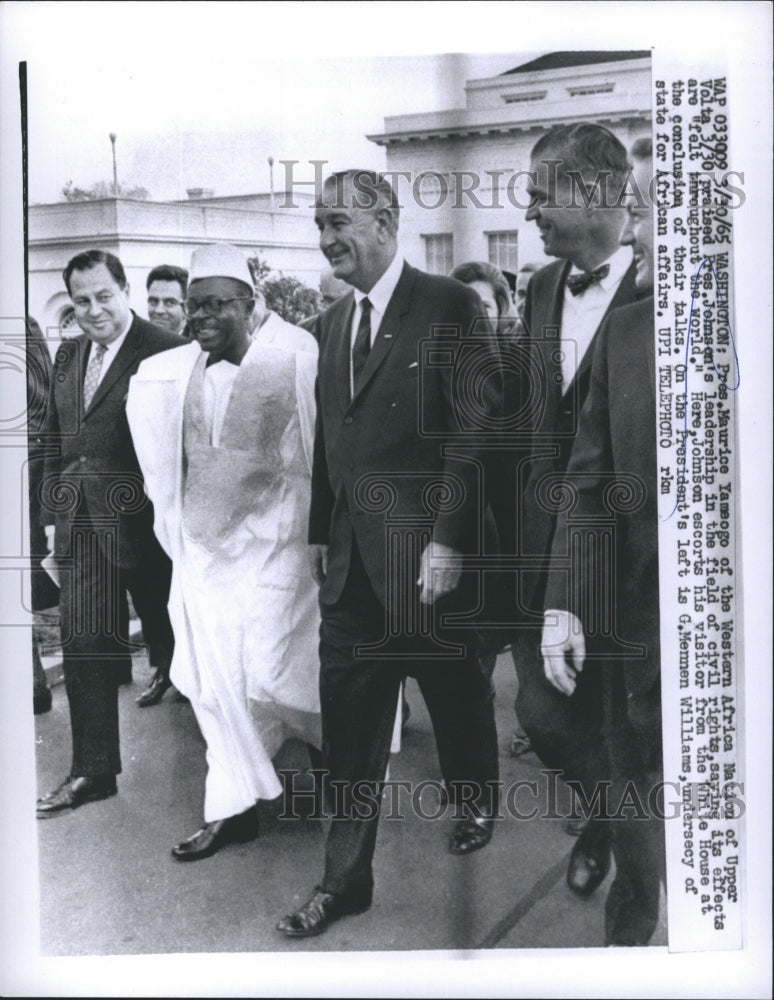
x,y
556,298
549,346
389,328
341,351
69,391
81,355
123,360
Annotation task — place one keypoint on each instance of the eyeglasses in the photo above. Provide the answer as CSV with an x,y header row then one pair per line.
x,y
154,303
211,306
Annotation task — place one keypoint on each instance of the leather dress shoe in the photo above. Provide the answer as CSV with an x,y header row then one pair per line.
x,y
589,860
154,692
321,910
470,835
212,836
75,792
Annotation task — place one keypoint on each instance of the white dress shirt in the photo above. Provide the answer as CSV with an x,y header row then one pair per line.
x,y
582,314
379,297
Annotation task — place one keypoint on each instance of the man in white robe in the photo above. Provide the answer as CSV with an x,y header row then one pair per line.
x,y
224,430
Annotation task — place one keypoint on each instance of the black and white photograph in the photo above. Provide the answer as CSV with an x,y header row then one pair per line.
x,y
386,470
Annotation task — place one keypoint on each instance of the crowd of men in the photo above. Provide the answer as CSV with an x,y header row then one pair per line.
x,y
300,518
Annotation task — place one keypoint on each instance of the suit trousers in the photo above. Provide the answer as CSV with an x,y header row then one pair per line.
x,y
95,641
359,695
637,804
567,733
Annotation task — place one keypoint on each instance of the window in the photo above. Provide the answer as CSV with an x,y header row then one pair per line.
x,y
535,95
504,250
588,90
439,253
68,322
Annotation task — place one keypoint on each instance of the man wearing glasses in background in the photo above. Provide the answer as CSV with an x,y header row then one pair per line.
x,y
229,478
166,286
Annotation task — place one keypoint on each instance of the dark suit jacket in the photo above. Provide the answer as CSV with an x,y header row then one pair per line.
x,y
92,469
406,449
552,417
44,592
617,438
310,324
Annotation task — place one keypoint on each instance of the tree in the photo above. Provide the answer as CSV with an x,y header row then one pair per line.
x,y
103,189
259,269
288,297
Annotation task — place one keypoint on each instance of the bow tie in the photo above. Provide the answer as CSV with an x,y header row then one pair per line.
x,y
578,283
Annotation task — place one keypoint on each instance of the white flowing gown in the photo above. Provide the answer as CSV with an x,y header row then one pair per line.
x,y
226,453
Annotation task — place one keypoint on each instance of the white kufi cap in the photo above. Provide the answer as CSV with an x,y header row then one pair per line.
x,y
219,260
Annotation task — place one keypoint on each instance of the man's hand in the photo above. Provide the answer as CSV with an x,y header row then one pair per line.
x,y
563,648
439,572
318,562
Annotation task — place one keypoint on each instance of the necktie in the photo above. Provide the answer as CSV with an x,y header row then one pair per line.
x,y
578,283
362,345
93,369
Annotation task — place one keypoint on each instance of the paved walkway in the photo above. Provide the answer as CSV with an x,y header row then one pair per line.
x,y
110,887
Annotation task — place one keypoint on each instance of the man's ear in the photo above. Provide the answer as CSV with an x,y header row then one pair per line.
x,y
127,290
385,219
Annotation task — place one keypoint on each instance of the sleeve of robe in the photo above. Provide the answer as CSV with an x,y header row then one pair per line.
x,y
154,412
306,374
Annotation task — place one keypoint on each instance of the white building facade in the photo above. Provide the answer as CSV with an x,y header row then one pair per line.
x,y
461,174
144,234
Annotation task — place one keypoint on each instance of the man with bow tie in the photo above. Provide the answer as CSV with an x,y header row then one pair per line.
x,y
613,475
100,521
577,173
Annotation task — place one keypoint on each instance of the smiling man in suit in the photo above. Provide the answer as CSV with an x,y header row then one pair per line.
x,y
94,504
616,447
395,507
166,286
577,174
